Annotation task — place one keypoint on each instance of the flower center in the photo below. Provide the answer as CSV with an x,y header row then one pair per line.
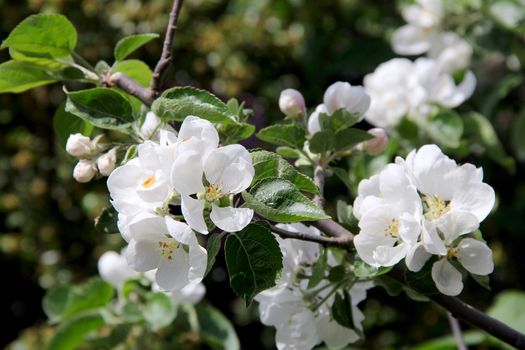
x,y
393,228
149,181
437,206
452,252
167,248
213,192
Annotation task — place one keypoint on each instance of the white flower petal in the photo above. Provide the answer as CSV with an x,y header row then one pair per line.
x,y
230,167
416,257
230,219
388,255
187,172
410,40
143,255
198,260
477,198
475,256
431,240
193,212
448,280
114,269
180,231
146,226
173,274
457,223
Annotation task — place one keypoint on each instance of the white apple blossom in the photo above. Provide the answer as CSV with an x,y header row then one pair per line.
x,y
313,121
291,103
378,144
450,51
84,171
114,269
288,308
168,246
225,171
150,128
79,145
342,95
389,211
106,163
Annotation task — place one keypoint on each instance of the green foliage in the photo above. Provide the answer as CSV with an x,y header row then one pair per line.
x,y
268,164
340,120
509,308
65,302
179,102
421,281
213,247
135,69
479,130
106,222
159,311
342,310
283,135
254,261
17,76
43,35
363,270
518,136
66,124
446,128
348,138
129,44
279,200
70,334
318,270
215,329
322,141
103,108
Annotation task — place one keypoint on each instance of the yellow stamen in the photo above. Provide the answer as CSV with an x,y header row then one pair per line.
x,y
167,248
437,206
149,181
213,192
393,228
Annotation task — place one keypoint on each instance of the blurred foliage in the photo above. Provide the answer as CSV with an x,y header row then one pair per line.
x,y
250,50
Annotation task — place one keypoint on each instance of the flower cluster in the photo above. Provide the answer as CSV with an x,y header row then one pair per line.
x,y
423,34
189,170
423,206
114,269
302,317
400,87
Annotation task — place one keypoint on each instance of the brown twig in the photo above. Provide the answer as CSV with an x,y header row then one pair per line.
x,y
340,242
166,56
129,85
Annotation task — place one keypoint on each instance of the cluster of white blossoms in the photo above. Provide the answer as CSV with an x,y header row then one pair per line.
x,y
189,170
302,317
423,34
400,87
424,206
114,269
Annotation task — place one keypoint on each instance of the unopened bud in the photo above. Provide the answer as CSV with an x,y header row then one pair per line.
x,y
84,171
313,121
378,144
106,162
291,103
342,95
79,145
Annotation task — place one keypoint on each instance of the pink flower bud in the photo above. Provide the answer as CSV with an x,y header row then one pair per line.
x,y
378,144
291,103
79,145
84,171
106,162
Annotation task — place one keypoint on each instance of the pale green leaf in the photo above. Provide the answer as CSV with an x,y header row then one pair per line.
x,y
127,45
283,135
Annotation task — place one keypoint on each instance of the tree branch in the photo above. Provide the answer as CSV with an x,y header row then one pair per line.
x,y
340,242
319,179
333,229
456,330
166,56
130,86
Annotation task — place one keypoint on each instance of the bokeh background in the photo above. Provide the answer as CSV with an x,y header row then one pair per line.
x,y
249,49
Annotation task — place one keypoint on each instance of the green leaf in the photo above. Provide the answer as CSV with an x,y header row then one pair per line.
x,y
159,311
322,141
509,308
499,91
421,281
106,222
342,310
233,133
279,200
64,302
445,128
268,164
179,102
213,247
127,45
69,335
337,273
363,270
345,214
471,338
392,286
135,69
342,175
254,261
66,124
20,76
348,138
103,108
215,329
483,281
288,152
479,130
283,135
341,119
43,35
318,270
